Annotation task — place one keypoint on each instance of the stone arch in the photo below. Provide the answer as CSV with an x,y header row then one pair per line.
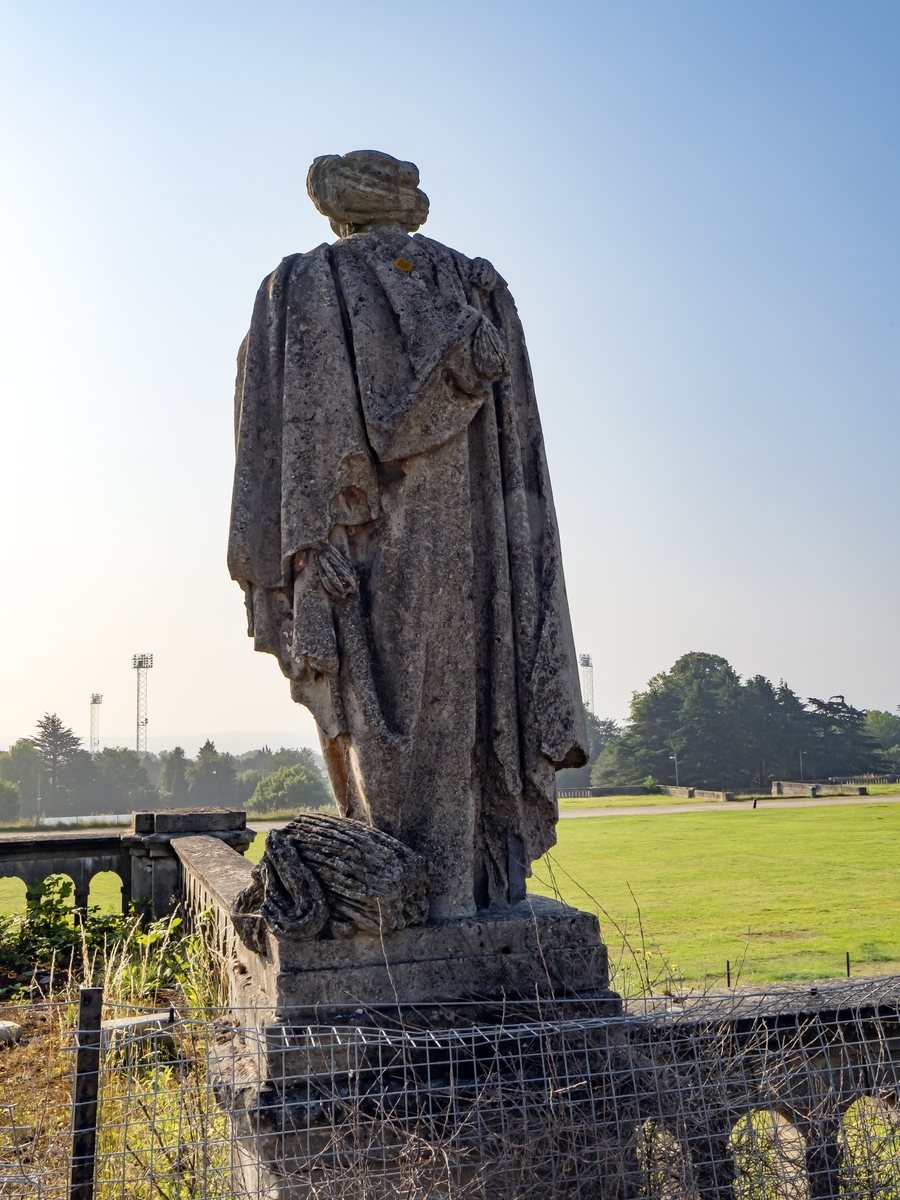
x,y
34,871
869,1139
769,1156
665,1166
107,891
12,894
40,877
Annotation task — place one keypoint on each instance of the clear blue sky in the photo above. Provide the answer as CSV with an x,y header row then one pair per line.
x,y
695,204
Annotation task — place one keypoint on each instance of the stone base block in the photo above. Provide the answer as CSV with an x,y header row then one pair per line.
x,y
486,1112
536,948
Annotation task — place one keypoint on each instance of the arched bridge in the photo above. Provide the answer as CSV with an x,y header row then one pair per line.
x,y
141,856
31,857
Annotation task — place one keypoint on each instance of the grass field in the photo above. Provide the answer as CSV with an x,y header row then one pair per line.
x,y
788,891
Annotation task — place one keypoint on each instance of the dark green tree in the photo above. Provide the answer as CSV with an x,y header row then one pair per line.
x,y
775,727
122,781
842,745
266,760
211,777
21,765
729,734
152,764
245,784
691,712
256,760
173,788
79,791
56,744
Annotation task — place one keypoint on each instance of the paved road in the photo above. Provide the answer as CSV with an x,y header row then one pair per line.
x,y
651,810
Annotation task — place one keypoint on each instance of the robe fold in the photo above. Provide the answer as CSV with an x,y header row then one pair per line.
x,y
394,532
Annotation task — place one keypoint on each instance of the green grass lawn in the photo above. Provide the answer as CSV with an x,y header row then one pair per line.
x,y
789,891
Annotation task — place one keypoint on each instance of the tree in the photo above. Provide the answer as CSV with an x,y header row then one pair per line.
x,y
245,784
259,764
80,789
211,777
152,764
21,765
884,728
266,760
692,712
123,782
726,733
775,727
842,745
296,787
600,731
173,789
56,744
10,805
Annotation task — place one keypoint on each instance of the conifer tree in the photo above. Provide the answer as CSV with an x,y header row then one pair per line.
x,y
57,746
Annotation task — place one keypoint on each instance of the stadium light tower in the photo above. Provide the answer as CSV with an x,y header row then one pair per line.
x,y
587,681
96,701
142,664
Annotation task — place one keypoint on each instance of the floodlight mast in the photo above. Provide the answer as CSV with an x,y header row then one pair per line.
x,y
587,681
142,664
96,701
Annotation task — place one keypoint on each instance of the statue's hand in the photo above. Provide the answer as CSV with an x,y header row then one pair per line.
x,y
336,572
472,369
489,353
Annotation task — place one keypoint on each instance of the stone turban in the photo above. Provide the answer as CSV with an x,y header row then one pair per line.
x,y
365,188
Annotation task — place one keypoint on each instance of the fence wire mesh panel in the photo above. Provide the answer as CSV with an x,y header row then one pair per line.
x,y
786,1095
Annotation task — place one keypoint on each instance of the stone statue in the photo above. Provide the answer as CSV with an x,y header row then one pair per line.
x,y
394,533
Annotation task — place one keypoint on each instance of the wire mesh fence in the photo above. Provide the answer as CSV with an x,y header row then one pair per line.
x,y
785,1095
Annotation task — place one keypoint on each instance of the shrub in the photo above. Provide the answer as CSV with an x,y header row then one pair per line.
x,y
134,959
46,930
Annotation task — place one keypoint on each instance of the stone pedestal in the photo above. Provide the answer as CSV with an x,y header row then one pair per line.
x,y
471,1101
424,1064
537,948
428,1063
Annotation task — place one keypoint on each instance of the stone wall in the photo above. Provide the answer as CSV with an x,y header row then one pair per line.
x,y
691,793
783,787
569,793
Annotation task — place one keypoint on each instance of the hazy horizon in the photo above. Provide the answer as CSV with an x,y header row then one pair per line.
x,y
232,741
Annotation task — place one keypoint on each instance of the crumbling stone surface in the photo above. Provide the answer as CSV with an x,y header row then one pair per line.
x,y
332,876
394,532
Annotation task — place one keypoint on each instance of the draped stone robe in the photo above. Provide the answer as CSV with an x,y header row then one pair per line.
x,y
394,532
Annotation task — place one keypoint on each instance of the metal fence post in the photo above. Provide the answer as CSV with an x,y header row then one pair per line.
x,y
85,1092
